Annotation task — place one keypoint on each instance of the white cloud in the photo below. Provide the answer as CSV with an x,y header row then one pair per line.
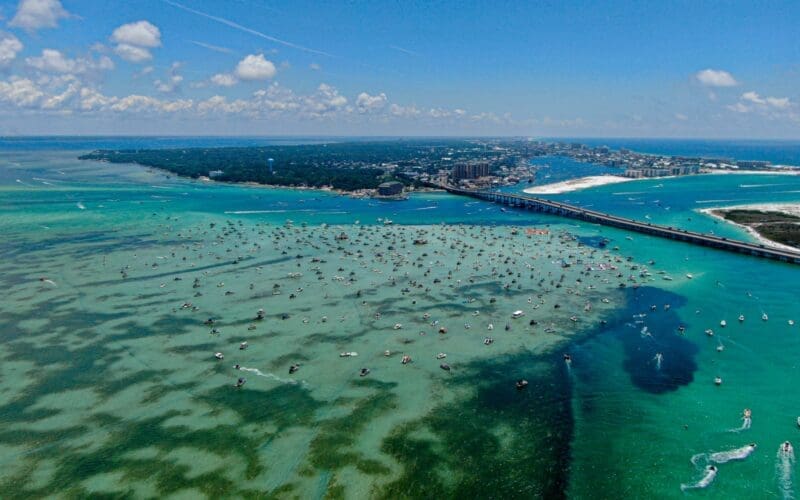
x,y
753,102
404,111
224,80
53,61
133,54
314,67
140,33
20,92
35,14
366,103
220,104
143,104
10,46
255,67
681,117
739,108
134,41
172,82
779,102
753,97
715,78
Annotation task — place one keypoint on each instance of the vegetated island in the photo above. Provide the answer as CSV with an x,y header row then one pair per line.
x,y
350,167
773,223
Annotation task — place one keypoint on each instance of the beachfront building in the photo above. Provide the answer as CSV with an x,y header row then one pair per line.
x,y
472,170
391,188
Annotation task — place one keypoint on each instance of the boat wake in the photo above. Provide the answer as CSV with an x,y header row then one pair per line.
x,y
783,468
722,457
707,479
274,377
746,422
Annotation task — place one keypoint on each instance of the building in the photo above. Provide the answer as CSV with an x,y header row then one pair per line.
x,y
215,173
755,165
470,170
271,165
391,188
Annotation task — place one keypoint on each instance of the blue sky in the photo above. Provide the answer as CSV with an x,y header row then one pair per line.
x,y
550,68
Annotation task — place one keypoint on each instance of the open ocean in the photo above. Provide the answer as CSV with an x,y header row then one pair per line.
x,y
109,384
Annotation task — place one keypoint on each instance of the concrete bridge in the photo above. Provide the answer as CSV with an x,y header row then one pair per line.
x,y
573,212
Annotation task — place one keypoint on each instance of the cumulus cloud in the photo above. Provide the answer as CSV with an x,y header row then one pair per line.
x,y
10,46
715,78
21,92
404,111
134,41
133,54
36,14
53,61
140,33
255,67
223,80
366,103
775,102
172,82
62,92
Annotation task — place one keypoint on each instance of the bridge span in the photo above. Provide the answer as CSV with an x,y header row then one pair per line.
x,y
672,233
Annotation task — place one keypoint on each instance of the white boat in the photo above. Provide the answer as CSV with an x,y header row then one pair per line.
x,y
441,355
517,314
219,355
710,332
741,318
723,323
689,275
791,322
764,317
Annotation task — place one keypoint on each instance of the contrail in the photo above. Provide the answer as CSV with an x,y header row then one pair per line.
x,y
215,48
246,29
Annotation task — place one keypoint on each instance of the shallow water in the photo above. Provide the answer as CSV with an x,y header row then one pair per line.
x,y
109,384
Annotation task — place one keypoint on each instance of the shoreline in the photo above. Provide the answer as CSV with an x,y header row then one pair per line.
x,y
578,184
785,208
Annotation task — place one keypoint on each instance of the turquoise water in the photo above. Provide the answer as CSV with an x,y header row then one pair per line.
x,y
109,385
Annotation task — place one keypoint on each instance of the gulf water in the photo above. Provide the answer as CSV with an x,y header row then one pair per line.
x,y
109,386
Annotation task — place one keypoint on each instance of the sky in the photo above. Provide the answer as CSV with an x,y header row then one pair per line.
x,y
683,69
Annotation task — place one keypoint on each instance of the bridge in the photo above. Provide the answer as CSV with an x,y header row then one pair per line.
x,y
672,233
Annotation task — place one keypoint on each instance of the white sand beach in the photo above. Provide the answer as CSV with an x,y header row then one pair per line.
x,y
577,184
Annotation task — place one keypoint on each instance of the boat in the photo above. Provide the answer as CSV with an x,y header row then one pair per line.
x,y
219,355
710,332
798,421
764,317
441,355
406,359
347,354
723,323
718,380
689,275
517,314
741,318
791,322
521,384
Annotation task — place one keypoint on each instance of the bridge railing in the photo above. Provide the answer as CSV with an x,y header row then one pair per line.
x,y
632,224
